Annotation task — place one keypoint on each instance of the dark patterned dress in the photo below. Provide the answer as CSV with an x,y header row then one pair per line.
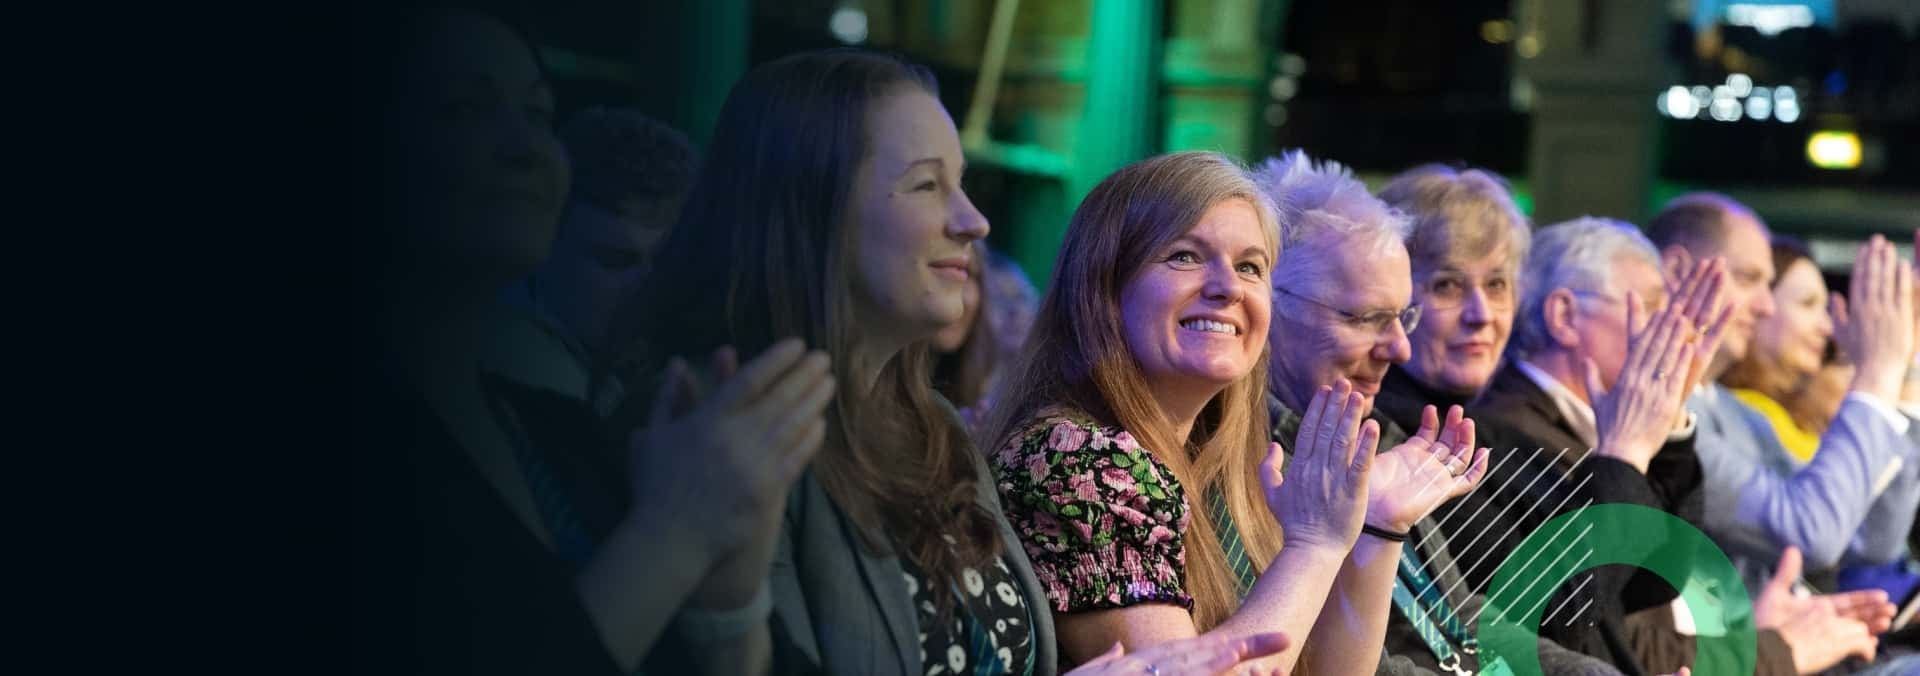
x,y
1100,518
989,632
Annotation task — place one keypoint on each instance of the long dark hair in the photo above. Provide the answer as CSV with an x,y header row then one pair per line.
x,y
764,250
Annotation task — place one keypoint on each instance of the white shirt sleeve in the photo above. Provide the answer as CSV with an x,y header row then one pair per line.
x,y
1685,430
1898,422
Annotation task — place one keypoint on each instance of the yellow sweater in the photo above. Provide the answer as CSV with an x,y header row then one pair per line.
x,y
1799,443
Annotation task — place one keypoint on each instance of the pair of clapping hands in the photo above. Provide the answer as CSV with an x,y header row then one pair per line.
x,y
1337,483
1875,324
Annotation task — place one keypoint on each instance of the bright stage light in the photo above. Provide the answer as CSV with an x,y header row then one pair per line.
x,y
1834,149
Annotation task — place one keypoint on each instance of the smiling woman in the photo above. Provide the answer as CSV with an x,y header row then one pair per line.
x,y
1140,392
1467,241
830,209
1787,348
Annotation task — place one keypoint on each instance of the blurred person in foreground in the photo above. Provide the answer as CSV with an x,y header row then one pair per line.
x,y
630,175
473,551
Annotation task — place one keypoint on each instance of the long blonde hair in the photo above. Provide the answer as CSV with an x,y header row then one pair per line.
x,y
1077,357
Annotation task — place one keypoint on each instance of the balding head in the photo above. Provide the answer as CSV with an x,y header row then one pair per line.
x,y
1701,225
1699,221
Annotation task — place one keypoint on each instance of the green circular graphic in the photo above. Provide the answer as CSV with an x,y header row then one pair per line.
x,y
1633,535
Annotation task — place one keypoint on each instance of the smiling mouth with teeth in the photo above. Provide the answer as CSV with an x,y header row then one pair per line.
x,y
1209,326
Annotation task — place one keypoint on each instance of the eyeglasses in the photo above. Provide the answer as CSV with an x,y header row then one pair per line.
x,y
1379,320
1446,291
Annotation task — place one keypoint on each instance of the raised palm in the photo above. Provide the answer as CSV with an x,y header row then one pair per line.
x,y
1436,464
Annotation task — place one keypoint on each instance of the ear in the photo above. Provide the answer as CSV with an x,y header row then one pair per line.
x,y
1560,307
1675,263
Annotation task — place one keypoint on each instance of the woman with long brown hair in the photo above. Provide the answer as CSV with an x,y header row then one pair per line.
x,y
830,210
1140,391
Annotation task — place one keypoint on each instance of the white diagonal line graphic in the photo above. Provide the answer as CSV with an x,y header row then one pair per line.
x,y
1516,524
1509,506
1576,614
1461,502
1441,526
1523,590
1524,565
1550,540
1503,484
1570,595
1543,600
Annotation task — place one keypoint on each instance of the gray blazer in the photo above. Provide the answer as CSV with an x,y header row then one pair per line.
x,y
850,613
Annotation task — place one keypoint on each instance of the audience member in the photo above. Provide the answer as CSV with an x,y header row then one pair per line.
x,y
469,554
1757,504
1316,343
1139,398
830,211
1466,246
630,174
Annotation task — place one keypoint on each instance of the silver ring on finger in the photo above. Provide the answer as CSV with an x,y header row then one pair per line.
x,y
1657,375
1152,670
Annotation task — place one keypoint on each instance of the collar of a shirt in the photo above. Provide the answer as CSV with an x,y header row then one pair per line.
x,y
1578,413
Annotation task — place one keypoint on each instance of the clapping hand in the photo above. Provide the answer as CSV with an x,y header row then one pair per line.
x,y
1698,297
1435,465
1821,629
1210,655
1633,419
1321,501
1874,323
727,461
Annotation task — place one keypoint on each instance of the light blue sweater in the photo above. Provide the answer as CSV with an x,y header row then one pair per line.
x,y
1852,504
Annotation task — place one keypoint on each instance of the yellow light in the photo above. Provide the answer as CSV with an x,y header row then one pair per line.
x,y
1496,31
1834,150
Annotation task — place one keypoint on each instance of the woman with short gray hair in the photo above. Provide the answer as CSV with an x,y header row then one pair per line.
x,y
1466,245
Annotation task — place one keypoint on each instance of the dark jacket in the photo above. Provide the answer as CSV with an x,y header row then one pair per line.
x,y
1404,652
1539,469
1401,398
444,578
844,610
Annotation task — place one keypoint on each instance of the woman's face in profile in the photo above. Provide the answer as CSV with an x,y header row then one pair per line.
x,y
472,133
953,336
913,253
1795,336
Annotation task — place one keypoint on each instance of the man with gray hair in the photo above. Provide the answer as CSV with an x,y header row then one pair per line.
x,y
1342,290
1589,410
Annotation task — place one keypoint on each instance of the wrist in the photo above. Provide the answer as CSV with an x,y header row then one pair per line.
x,y
1877,381
1626,454
1376,521
1307,553
664,532
1393,533
708,625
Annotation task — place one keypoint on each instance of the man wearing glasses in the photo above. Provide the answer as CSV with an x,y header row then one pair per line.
x,y
1342,310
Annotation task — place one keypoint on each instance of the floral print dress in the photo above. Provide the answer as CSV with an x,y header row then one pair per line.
x,y
1099,517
